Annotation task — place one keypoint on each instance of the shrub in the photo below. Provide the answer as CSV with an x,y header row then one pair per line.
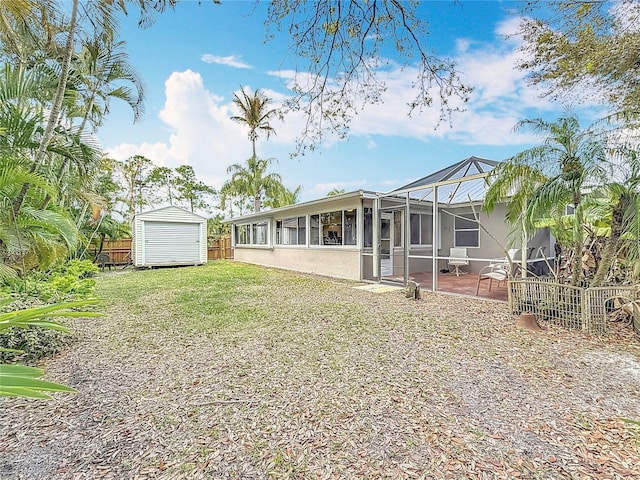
x,y
24,381
70,281
34,341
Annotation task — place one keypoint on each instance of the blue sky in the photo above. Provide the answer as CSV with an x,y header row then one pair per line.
x,y
193,59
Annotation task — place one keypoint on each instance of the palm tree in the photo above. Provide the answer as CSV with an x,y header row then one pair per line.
x,y
34,236
514,183
336,191
252,181
56,106
283,197
98,75
102,72
617,203
566,162
255,114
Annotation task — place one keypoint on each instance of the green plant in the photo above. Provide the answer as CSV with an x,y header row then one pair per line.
x,y
69,281
31,343
20,380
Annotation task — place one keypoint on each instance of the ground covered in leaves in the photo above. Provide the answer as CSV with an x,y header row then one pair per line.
x,y
233,371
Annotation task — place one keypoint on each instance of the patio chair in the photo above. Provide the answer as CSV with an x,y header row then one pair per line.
x,y
458,258
494,271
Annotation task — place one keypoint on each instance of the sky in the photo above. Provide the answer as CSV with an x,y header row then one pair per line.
x,y
194,58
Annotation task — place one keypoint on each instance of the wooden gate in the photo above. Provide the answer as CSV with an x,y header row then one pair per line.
x,y
220,248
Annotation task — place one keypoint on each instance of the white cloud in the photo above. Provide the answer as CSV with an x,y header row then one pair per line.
x,y
230,60
157,152
202,134
501,97
509,28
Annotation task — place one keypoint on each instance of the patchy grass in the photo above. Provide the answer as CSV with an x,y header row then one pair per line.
x,y
236,371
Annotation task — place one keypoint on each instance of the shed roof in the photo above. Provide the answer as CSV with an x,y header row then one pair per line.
x,y
171,210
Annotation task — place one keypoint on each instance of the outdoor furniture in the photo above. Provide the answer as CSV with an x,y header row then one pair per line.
x,y
494,271
458,258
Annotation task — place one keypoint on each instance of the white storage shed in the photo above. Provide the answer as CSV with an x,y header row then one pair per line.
x,y
168,236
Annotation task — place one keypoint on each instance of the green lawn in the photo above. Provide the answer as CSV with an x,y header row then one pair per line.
x,y
236,371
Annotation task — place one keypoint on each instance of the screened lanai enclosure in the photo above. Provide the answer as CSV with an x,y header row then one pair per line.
x,y
444,210
433,231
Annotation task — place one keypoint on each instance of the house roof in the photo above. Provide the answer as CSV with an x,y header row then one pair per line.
x,y
462,182
324,200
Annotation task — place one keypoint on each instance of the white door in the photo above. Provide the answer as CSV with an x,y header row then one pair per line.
x,y
171,243
386,257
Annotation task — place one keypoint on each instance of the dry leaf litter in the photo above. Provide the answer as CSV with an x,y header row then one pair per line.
x,y
331,382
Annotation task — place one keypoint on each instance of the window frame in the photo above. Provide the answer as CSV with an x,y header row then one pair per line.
x,y
298,228
327,218
421,242
468,217
251,233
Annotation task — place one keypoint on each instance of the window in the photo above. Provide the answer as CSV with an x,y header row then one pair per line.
x,y
569,209
421,229
397,229
467,231
334,228
291,231
315,229
350,227
252,234
368,227
331,228
259,233
242,234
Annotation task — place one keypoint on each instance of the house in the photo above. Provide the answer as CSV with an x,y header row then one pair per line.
x,y
168,236
373,236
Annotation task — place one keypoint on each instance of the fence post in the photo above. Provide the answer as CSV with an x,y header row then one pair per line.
x,y
585,308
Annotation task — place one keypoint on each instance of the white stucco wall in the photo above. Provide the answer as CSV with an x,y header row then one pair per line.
x,y
338,262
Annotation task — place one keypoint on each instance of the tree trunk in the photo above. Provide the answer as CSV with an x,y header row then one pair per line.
x,y
611,244
257,203
56,106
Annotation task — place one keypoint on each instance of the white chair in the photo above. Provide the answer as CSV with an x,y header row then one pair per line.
x,y
494,271
458,258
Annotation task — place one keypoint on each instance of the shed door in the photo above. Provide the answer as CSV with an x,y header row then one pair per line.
x,y
171,243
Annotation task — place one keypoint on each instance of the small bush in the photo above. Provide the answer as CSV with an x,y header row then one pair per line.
x,y
35,342
71,281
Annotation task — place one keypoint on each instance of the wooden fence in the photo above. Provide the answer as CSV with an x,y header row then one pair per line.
x,y
220,248
119,251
